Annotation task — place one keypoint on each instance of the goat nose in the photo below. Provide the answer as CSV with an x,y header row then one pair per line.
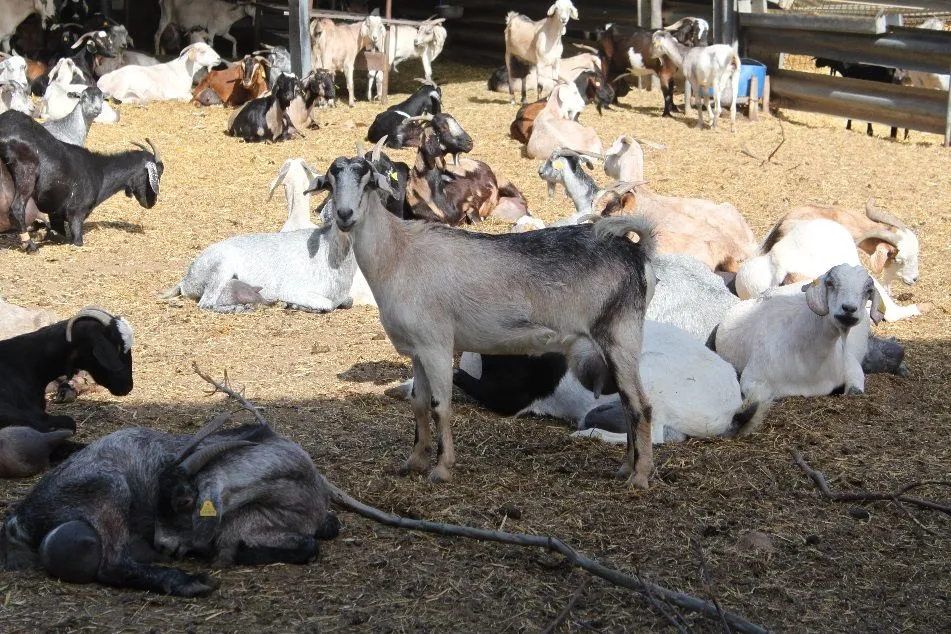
x,y
849,308
344,214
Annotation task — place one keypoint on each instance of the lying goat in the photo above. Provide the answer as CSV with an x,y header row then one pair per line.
x,y
24,451
67,181
520,299
266,118
244,496
92,340
818,349
426,100
236,85
555,126
466,190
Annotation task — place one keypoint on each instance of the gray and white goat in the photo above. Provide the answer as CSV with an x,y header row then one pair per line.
x,y
801,343
578,290
242,496
74,127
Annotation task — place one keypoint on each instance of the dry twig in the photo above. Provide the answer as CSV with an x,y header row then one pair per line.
x,y
563,615
898,496
342,499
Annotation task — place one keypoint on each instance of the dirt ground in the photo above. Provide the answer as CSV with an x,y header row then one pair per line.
x,y
827,567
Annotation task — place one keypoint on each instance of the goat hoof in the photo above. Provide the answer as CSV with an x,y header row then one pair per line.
x,y
853,391
440,474
624,470
414,464
638,482
29,246
195,586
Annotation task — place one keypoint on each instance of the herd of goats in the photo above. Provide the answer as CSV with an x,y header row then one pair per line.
x,y
642,318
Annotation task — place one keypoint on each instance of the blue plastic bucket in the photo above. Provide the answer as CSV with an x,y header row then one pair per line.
x,y
749,68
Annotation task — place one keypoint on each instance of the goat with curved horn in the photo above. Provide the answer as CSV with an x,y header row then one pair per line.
x,y
195,462
880,215
585,47
89,312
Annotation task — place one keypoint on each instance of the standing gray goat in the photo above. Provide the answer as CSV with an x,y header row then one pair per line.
x,y
578,290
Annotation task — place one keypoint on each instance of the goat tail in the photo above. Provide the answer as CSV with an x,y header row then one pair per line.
x,y
620,226
175,291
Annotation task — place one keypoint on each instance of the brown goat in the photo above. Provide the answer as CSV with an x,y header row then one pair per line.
x,y
233,86
521,128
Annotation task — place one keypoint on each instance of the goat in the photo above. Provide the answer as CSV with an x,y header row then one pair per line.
x,y
335,46
63,92
15,11
74,127
707,68
405,42
92,340
67,181
693,392
17,320
84,54
537,42
14,87
628,49
7,220
867,72
624,160
278,61
920,79
552,129
716,234
266,118
804,252
243,81
316,89
296,176
818,348
467,190
216,16
596,313
242,496
168,81
426,100
24,452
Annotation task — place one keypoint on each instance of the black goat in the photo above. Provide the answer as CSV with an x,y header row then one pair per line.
x,y
93,340
868,72
68,181
85,52
266,118
426,100
243,496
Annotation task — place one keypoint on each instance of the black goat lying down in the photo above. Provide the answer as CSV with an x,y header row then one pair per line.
x,y
92,340
426,100
67,181
266,118
243,496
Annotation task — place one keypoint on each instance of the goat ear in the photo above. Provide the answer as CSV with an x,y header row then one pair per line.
x,y
879,257
154,177
383,183
816,296
320,182
878,306
551,10
106,354
206,518
574,13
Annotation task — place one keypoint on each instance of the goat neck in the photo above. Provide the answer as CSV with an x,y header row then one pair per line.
x,y
674,50
117,170
377,241
581,189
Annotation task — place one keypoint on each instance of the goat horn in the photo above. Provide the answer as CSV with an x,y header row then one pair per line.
x,y
880,215
585,47
423,117
197,461
89,312
621,187
358,146
210,427
426,82
83,37
155,152
375,155
878,234
676,25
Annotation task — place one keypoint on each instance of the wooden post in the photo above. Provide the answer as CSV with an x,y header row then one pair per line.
x,y
643,16
947,123
729,22
657,21
299,36
753,100
388,14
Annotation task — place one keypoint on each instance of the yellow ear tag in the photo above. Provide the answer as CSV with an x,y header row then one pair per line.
x,y
559,164
881,306
208,509
394,176
815,282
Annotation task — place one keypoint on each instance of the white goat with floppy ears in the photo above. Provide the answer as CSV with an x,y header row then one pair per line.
x,y
809,343
705,67
537,42
408,42
594,315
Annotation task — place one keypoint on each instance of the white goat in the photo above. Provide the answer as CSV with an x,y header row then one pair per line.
x,y
706,67
296,176
807,250
14,87
216,16
624,160
13,69
809,343
12,12
554,126
63,93
409,42
538,43
169,81
921,79
335,46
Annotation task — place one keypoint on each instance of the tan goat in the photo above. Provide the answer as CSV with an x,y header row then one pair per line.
x,y
555,126
537,42
335,46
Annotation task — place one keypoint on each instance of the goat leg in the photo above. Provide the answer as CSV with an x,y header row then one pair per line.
x,y
127,573
23,170
420,396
